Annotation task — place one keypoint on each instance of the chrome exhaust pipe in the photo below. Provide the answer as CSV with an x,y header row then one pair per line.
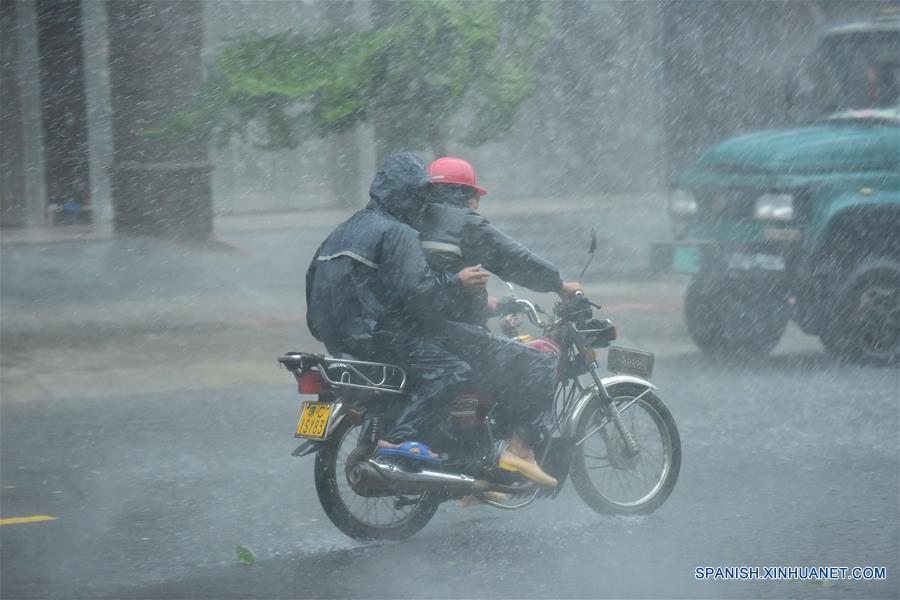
x,y
375,478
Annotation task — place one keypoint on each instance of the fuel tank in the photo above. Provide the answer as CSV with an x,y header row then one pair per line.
x,y
541,344
546,346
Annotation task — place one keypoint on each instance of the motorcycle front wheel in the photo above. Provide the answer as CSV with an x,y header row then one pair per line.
x,y
364,518
606,474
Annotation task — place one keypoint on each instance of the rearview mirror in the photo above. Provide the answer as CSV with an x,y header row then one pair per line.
x,y
591,250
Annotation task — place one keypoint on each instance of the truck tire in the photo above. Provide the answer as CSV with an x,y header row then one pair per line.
x,y
733,317
865,319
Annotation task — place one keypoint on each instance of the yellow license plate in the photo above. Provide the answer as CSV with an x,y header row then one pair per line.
x,y
313,419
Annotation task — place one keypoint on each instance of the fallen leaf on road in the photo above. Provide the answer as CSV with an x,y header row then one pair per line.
x,y
245,556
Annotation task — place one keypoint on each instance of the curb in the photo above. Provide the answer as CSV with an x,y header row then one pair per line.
x,y
298,219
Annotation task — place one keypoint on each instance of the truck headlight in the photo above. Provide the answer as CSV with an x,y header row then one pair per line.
x,y
682,203
775,207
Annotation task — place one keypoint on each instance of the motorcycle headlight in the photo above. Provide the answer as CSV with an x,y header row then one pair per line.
x,y
682,203
775,207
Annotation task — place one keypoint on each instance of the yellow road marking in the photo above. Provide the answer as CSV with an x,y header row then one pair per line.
x,y
34,519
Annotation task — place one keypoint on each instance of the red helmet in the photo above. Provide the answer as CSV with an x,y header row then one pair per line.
x,y
454,170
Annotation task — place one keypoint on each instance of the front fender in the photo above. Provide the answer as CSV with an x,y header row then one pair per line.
x,y
590,393
882,204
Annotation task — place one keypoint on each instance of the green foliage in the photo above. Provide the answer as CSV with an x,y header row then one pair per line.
x,y
245,556
440,70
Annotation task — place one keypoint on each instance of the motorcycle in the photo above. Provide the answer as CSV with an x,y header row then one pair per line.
x,y
613,435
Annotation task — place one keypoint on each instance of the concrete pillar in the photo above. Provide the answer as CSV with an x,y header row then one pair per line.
x,y
23,192
12,167
160,187
385,140
96,79
343,148
64,109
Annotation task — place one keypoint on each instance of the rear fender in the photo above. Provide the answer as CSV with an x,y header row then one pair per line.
x,y
591,393
308,447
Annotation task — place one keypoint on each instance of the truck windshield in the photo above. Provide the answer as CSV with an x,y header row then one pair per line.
x,y
858,70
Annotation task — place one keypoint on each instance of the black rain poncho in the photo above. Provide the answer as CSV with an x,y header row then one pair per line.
x,y
521,378
454,237
368,287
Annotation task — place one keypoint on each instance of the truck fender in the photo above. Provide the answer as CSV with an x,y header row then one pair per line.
x,y
883,204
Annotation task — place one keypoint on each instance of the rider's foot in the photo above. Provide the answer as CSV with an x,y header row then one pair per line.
x,y
467,501
520,448
516,455
414,448
531,470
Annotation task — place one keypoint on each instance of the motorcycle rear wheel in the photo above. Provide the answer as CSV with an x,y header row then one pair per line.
x,y
600,464
357,516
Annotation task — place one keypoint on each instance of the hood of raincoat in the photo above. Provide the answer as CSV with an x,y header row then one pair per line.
x,y
401,186
368,286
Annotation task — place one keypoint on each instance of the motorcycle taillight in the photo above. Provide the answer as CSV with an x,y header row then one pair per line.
x,y
310,383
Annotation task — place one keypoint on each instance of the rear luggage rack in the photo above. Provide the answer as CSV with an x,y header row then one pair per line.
x,y
348,373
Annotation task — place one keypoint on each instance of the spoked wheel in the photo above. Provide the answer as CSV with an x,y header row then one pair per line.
x,y
608,477
360,517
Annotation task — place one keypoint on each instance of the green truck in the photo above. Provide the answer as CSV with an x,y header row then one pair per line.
x,y
803,224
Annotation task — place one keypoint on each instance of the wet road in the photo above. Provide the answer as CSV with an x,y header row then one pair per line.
x,y
792,461
787,461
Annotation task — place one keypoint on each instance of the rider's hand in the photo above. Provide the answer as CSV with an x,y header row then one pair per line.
x,y
473,278
568,288
493,306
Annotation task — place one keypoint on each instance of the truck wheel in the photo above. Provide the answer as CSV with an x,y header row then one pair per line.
x,y
865,322
732,317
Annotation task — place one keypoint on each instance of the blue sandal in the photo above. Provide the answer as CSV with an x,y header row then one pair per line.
x,y
406,450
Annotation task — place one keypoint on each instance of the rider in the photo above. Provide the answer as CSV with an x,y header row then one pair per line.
x,y
453,234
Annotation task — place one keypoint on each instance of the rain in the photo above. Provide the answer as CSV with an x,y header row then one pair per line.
x,y
722,178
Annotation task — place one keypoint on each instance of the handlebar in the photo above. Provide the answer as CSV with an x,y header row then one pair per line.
x,y
532,312
579,295
572,309
512,305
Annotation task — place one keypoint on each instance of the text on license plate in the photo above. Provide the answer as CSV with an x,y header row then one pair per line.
x,y
625,360
313,419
